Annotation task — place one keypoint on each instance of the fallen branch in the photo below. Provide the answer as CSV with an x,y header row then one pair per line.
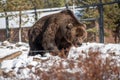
x,y
40,60
11,56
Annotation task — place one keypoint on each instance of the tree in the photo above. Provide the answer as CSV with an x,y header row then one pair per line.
x,y
110,13
4,8
18,5
53,3
111,16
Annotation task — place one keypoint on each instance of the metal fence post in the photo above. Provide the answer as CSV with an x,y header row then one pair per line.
x,y
66,4
7,25
101,24
35,10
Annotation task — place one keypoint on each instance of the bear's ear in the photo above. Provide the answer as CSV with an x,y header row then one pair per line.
x,y
69,26
84,25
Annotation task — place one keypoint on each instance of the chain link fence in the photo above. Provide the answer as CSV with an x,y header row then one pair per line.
x,y
28,18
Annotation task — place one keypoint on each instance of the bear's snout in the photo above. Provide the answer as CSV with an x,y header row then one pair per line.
x,y
79,44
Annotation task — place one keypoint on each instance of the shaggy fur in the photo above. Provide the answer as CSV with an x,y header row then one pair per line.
x,y
56,32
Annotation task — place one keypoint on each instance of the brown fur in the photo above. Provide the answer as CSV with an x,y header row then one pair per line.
x,y
56,32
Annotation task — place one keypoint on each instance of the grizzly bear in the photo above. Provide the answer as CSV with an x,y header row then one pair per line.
x,y
56,32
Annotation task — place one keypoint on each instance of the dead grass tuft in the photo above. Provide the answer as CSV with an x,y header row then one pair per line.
x,y
93,67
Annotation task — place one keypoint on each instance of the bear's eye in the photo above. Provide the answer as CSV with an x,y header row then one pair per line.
x,y
77,35
68,27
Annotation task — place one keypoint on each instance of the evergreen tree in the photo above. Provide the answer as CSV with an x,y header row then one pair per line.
x,y
111,12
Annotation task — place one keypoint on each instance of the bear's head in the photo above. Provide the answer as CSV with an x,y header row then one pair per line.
x,y
75,34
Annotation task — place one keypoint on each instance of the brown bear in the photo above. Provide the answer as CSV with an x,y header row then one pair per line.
x,y
56,32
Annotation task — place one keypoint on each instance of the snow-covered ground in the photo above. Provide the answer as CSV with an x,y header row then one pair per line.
x,y
24,67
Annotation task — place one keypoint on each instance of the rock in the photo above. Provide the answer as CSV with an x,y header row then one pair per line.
x,y
5,43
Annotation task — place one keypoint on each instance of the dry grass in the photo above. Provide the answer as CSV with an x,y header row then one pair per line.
x,y
93,67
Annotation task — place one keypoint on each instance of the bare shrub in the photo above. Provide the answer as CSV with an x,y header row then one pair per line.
x,y
93,67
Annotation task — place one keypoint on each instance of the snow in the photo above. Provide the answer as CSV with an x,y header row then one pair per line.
x,y
28,17
21,63
7,65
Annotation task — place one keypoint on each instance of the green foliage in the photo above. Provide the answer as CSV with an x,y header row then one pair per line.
x,y
16,5
111,13
91,1
93,30
58,3
53,3
37,3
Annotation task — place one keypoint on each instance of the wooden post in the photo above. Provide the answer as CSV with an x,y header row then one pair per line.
x,y
20,31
